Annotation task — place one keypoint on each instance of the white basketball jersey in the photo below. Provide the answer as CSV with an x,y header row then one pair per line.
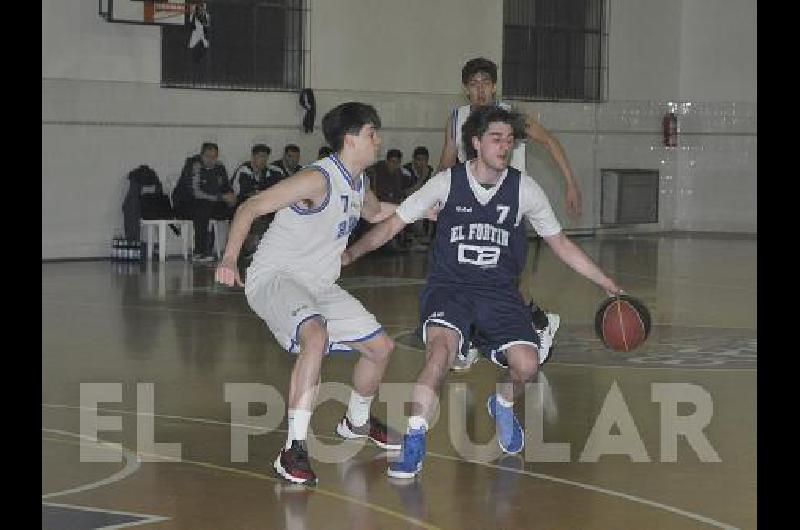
x,y
308,242
460,115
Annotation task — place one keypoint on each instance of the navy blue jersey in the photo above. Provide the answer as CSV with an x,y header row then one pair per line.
x,y
479,246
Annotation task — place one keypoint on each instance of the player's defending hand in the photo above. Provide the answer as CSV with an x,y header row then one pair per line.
x,y
573,198
433,212
347,259
228,273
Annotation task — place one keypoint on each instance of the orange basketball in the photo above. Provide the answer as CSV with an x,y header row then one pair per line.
x,y
622,323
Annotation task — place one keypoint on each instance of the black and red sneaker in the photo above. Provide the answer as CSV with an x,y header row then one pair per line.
x,y
293,465
373,429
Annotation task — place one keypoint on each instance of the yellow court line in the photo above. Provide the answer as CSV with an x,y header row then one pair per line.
x,y
542,476
316,489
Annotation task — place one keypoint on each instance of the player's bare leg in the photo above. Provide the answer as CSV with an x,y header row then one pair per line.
x,y
367,376
292,462
441,346
523,361
306,371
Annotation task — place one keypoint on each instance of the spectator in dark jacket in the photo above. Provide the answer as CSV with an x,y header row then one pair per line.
x,y
417,173
387,179
250,178
290,163
203,193
254,175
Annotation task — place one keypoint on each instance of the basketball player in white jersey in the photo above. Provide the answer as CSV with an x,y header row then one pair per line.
x,y
479,77
291,280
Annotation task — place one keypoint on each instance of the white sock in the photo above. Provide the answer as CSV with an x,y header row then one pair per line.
x,y
416,423
503,403
358,409
298,425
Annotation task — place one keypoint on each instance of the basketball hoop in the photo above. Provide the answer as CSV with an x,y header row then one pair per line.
x,y
158,11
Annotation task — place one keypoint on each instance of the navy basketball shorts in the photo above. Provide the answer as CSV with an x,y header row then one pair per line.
x,y
502,316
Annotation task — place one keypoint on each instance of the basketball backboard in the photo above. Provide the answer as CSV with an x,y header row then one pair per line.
x,y
147,12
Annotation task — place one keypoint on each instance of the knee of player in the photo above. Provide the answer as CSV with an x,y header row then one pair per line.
x,y
383,347
439,356
314,337
526,365
437,345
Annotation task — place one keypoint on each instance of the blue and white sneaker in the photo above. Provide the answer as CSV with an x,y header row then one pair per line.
x,y
511,437
413,452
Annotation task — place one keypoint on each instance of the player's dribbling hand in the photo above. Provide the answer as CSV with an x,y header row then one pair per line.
x,y
228,274
612,289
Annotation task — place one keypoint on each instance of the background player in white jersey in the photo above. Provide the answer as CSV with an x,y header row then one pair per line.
x,y
290,282
479,78
477,257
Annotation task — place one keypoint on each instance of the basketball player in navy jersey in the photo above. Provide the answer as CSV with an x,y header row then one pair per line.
x,y
479,78
291,285
478,255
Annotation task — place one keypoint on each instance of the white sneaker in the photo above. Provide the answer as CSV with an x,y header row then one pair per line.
x,y
547,335
465,362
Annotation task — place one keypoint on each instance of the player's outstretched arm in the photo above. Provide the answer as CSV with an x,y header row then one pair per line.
x,y
375,211
449,151
576,258
376,237
307,185
539,134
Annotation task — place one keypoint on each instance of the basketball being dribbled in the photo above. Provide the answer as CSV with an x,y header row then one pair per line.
x,y
622,323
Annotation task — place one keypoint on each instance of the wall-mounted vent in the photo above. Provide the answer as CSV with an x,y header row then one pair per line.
x,y
629,196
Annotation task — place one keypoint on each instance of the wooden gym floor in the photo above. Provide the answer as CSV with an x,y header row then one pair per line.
x,y
168,343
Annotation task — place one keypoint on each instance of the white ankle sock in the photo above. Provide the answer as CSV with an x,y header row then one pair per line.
x,y
416,423
503,403
298,425
358,409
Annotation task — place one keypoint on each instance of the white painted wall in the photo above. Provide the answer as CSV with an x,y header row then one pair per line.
x,y
78,44
644,49
406,46
103,111
718,50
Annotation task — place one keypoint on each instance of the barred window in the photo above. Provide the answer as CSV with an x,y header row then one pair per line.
x,y
554,50
242,45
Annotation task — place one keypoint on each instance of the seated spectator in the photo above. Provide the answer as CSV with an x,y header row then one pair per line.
x,y
290,163
254,175
417,173
250,178
324,152
386,180
201,194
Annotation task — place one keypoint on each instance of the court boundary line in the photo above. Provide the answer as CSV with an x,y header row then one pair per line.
x,y
259,476
132,465
147,518
541,476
